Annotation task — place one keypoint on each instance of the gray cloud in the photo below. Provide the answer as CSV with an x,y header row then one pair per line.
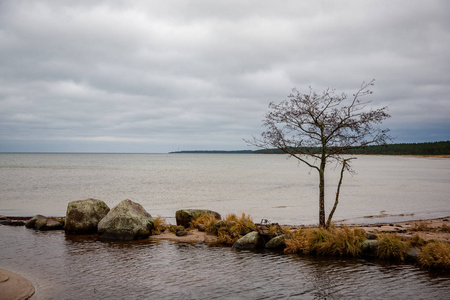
x,y
157,76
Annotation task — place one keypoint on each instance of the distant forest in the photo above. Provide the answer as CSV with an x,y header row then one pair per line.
x,y
435,148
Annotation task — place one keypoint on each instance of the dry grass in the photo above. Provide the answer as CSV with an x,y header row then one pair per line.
x,y
159,225
207,220
392,247
333,241
445,228
435,255
422,226
235,228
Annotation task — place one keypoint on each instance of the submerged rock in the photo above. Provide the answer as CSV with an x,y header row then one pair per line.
x,y
184,217
83,216
249,241
40,222
128,220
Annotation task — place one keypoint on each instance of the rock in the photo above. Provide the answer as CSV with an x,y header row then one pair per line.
x,y
128,220
39,222
249,241
369,247
53,224
413,254
83,216
371,236
201,227
184,217
221,223
277,242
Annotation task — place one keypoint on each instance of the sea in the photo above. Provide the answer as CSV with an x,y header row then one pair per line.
x,y
272,187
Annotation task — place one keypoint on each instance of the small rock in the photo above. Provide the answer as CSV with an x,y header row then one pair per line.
x,y
221,223
413,254
186,216
369,247
371,236
277,242
181,233
250,241
201,227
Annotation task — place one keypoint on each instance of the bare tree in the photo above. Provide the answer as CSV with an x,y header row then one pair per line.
x,y
319,128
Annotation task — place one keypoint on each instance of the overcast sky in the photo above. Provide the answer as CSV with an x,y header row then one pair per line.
x,y
159,76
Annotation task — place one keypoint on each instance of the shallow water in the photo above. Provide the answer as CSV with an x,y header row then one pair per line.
x,y
264,186
82,267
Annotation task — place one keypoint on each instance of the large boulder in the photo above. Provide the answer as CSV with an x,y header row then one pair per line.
x,y
184,217
128,220
249,241
83,216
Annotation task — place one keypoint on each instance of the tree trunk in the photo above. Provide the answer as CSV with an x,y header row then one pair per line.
x,y
322,198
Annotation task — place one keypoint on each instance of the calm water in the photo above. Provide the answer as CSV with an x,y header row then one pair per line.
x,y
64,267
265,186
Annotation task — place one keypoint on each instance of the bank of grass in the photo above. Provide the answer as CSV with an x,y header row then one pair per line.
x,y
348,242
227,230
336,241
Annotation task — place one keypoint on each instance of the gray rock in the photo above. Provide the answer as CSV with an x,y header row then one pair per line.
x,y
249,241
413,254
83,216
369,247
184,217
277,242
40,222
371,236
221,223
128,220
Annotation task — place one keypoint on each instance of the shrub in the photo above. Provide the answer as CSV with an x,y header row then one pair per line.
x,y
435,255
392,247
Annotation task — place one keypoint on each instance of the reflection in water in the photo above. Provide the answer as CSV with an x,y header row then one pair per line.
x,y
82,267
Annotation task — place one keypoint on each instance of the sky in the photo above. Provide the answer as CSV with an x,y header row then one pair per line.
x,y
161,76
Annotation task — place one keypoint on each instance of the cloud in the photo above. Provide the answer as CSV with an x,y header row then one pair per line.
x,y
200,74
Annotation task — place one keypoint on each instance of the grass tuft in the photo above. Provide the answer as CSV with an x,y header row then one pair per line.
x,y
392,247
435,255
159,225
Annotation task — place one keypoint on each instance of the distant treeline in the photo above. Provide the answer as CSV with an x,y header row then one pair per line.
x,y
215,151
435,148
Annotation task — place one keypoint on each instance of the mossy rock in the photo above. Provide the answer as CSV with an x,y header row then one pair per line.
x,y
184,217
83,216
277,242
369,247
40,222
249,241
128,220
